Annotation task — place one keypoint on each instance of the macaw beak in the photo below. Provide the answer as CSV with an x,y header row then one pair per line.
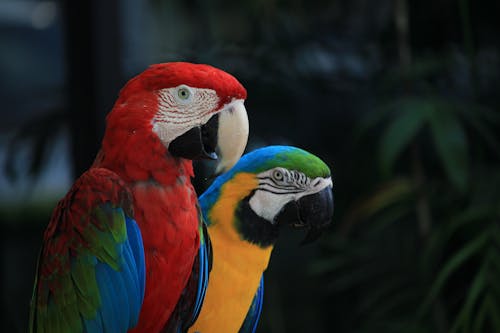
x,y
232,135
226,131
312,212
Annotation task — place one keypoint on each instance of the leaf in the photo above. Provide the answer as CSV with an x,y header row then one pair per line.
x,y
354,277
391,286
393,302
495,314
464,254
390,216
464,317
374,118
410,118
442,234
451,146
488,307
495,265
481,127
387,194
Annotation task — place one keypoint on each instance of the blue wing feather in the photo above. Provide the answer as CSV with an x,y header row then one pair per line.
x,y
204,270
189,305
121,291
132,285
201,278
108,298
137,248
91,270
252,319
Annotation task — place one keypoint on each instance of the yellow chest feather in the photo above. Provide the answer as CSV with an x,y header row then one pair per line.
x,y
237,265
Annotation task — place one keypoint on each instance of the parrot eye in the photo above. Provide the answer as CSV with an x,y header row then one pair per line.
x,y
183,93
278,175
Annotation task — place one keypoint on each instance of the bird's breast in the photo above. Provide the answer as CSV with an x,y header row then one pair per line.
x,y
168,219
234,279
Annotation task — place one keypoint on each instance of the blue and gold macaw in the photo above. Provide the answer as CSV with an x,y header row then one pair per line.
x,y
244,210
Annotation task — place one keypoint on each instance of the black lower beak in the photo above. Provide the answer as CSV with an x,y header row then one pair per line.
x,y
197,143
312,212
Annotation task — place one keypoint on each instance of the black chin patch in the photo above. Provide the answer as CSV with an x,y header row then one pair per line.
x,y
254,228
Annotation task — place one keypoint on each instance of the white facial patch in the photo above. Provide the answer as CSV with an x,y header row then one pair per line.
x,y
182,108
279,186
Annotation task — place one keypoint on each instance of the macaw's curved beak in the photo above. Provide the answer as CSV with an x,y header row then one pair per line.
x,y
197,143
226,131
232,135
312,212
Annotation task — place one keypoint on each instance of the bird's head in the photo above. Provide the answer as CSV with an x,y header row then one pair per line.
x,y
190,108
268,188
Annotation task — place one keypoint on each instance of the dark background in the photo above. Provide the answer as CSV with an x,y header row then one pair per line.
x,y
400,98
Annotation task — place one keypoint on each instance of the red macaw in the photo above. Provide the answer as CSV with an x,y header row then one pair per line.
x,y
124,242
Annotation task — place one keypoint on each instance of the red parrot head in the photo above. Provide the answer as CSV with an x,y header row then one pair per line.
x,y
190,108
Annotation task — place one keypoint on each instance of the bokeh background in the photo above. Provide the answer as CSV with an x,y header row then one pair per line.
x,y
400,97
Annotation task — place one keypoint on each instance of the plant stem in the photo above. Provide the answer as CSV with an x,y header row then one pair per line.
x,y
469,43
424,221
402,29
422,205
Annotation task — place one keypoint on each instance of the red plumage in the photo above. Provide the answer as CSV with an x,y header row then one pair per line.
x,y
165,203
70,220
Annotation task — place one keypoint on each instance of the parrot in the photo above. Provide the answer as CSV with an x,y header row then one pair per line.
x,y
244,210
127,240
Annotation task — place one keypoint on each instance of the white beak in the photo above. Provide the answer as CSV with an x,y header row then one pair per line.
x,y
232,135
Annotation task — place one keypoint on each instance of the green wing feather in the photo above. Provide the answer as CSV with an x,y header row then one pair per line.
x,y
90,239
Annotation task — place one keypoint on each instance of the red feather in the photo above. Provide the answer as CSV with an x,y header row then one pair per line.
x,y
165,203
71,217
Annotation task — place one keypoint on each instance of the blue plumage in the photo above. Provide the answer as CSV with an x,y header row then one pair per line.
x,y
91,271
189,306
244,209
121,291
253,315
108,298
204,270
136,246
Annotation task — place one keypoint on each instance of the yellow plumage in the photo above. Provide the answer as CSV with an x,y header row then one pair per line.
x,y
237,266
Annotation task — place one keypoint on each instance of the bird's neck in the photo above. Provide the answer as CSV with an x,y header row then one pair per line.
x,y
140,156
223,222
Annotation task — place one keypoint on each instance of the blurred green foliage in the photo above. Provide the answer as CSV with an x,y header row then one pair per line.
x,y
414,146
422,250
419,250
